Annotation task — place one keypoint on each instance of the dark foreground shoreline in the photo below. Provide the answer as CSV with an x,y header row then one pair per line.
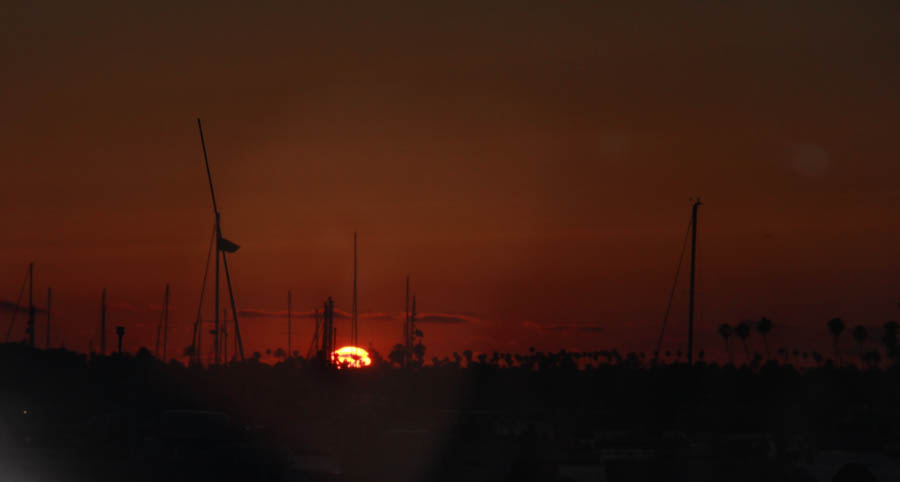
x,y
69,418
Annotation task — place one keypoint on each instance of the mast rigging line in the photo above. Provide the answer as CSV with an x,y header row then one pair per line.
x,y
197,330
662,331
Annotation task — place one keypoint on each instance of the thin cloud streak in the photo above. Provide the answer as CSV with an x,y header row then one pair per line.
x,y
10,307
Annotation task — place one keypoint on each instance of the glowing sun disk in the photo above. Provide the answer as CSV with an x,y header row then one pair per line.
x,y
351,356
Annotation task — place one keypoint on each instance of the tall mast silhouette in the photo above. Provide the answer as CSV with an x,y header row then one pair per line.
x,y
354,332
225,246
30,329
690,354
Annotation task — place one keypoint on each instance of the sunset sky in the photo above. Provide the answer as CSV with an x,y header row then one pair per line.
x,y
529,165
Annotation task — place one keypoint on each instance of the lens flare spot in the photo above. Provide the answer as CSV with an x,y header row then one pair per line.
x,y
351,356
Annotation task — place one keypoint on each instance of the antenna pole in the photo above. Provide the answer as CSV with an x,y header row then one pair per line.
x,y
690,353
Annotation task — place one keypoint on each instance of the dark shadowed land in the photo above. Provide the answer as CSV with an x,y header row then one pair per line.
x,y
537,416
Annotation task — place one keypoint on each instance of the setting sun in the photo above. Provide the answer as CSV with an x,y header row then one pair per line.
x,y
352,356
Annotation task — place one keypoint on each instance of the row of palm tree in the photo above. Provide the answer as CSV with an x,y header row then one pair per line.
x,y
836,327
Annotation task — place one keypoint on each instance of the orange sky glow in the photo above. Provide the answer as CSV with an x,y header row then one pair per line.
x,y
530,167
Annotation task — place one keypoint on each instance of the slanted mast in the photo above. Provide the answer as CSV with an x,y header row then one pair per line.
x,y
223,247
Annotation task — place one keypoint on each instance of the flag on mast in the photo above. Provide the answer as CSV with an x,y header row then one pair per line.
x,y
227,246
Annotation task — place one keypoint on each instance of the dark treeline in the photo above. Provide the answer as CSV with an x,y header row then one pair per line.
x,y
533,416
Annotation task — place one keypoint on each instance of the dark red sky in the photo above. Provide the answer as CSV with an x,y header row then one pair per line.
x,y
530,166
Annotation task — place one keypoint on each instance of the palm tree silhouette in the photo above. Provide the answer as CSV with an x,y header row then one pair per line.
x,y
764,327
836,327
725,331
860,334
742,330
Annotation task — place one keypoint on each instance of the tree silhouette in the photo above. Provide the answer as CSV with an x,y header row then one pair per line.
x,y
482,359
764,327
508,358
836,327
872,359
742,330
398,355
468,356
418,351
457,359
280,353
860,334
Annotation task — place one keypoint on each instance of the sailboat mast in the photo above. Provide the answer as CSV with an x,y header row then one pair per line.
x,y
690,354
225,246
